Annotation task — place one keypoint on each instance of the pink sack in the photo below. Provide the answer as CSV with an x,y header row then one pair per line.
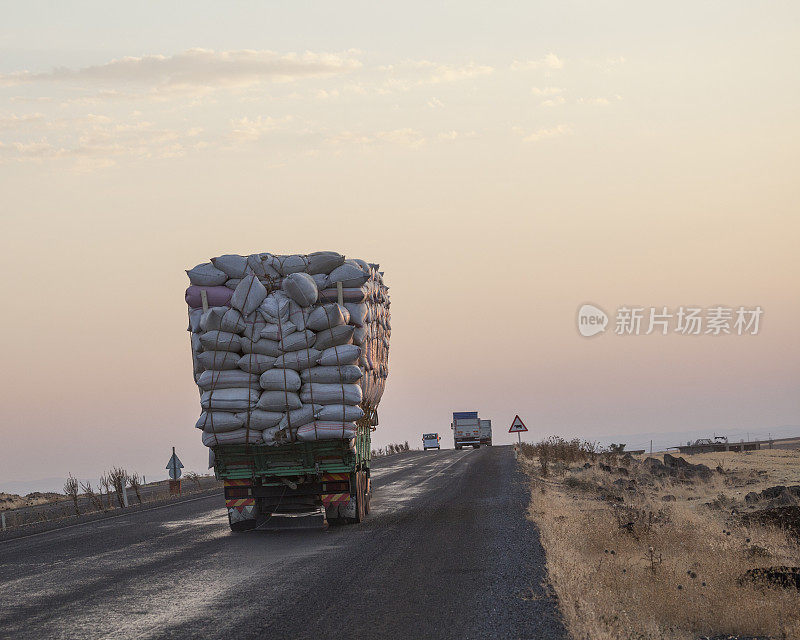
x,y
217,296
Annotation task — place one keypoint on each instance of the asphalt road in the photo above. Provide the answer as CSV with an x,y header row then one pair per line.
x,y
445,553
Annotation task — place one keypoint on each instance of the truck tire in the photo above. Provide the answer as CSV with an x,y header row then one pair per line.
x,y
458,447
359,496
476,446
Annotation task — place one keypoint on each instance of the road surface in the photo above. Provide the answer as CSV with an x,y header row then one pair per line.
x,y
445,553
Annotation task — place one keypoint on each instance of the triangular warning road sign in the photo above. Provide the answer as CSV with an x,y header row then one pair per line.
x,y
517,425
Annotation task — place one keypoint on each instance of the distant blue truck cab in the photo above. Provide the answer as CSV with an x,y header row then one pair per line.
x,y
430,441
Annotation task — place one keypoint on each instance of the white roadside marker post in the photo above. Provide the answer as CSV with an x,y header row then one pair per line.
x,y
3,518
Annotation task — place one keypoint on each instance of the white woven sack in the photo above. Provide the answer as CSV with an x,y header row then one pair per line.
x,y
259,419
298,360
280,380
230,379
327,431
339,355
218,360
323,393
249,295
343,334
240,436
222,319
332,375
256,363
301,288
220,341
240,399
279,401
234,266
206,275
218,422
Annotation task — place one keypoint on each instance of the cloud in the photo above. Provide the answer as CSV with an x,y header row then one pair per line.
x,y
411,73
101,140
14,121
435,103
542,134
249,130
196,69
550,61
324,94
597,101
553,102
410,138
546,91
454,135
607,64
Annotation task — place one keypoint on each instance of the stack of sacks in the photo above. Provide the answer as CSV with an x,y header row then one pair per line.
x,y
287,348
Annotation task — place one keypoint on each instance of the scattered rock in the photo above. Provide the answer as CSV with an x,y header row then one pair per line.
x,y
675,462
784,517
654,467
778,495
676,467
605,467
668,498
625,485
623,471
755,551
785,577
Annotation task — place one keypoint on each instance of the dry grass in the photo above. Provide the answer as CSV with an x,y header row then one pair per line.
x,y
14,501
627,565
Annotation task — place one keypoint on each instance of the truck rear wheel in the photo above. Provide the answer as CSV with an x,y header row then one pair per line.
x,y
458,446
358,495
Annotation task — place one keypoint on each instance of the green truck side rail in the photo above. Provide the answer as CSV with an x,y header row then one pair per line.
x,y
251,462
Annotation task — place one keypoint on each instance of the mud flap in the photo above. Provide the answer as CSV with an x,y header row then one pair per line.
x,y
240,514
349,510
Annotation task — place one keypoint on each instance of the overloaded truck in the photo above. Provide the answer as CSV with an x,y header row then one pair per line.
x,y
290,355
466,428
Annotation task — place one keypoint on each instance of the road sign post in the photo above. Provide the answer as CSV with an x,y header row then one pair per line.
x,y
517,427
174,467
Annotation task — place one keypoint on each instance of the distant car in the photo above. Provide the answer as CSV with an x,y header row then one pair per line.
x,y
430,441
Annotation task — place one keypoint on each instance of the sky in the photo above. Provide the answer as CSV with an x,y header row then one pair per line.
x,y
504,162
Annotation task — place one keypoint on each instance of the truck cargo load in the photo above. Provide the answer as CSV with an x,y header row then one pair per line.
x,y
290,355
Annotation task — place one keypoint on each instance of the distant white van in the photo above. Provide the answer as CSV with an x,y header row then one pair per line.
x,y
430,441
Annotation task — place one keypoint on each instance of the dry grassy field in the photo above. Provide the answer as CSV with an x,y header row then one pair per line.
x,y
637,549
14,501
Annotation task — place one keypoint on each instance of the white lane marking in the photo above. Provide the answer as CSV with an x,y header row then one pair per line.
x,y
101,520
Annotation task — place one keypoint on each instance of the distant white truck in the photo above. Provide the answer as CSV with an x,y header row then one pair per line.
x,y
430,441
486,433
466,428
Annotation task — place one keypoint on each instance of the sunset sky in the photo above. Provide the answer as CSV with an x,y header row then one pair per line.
x,y
504,162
